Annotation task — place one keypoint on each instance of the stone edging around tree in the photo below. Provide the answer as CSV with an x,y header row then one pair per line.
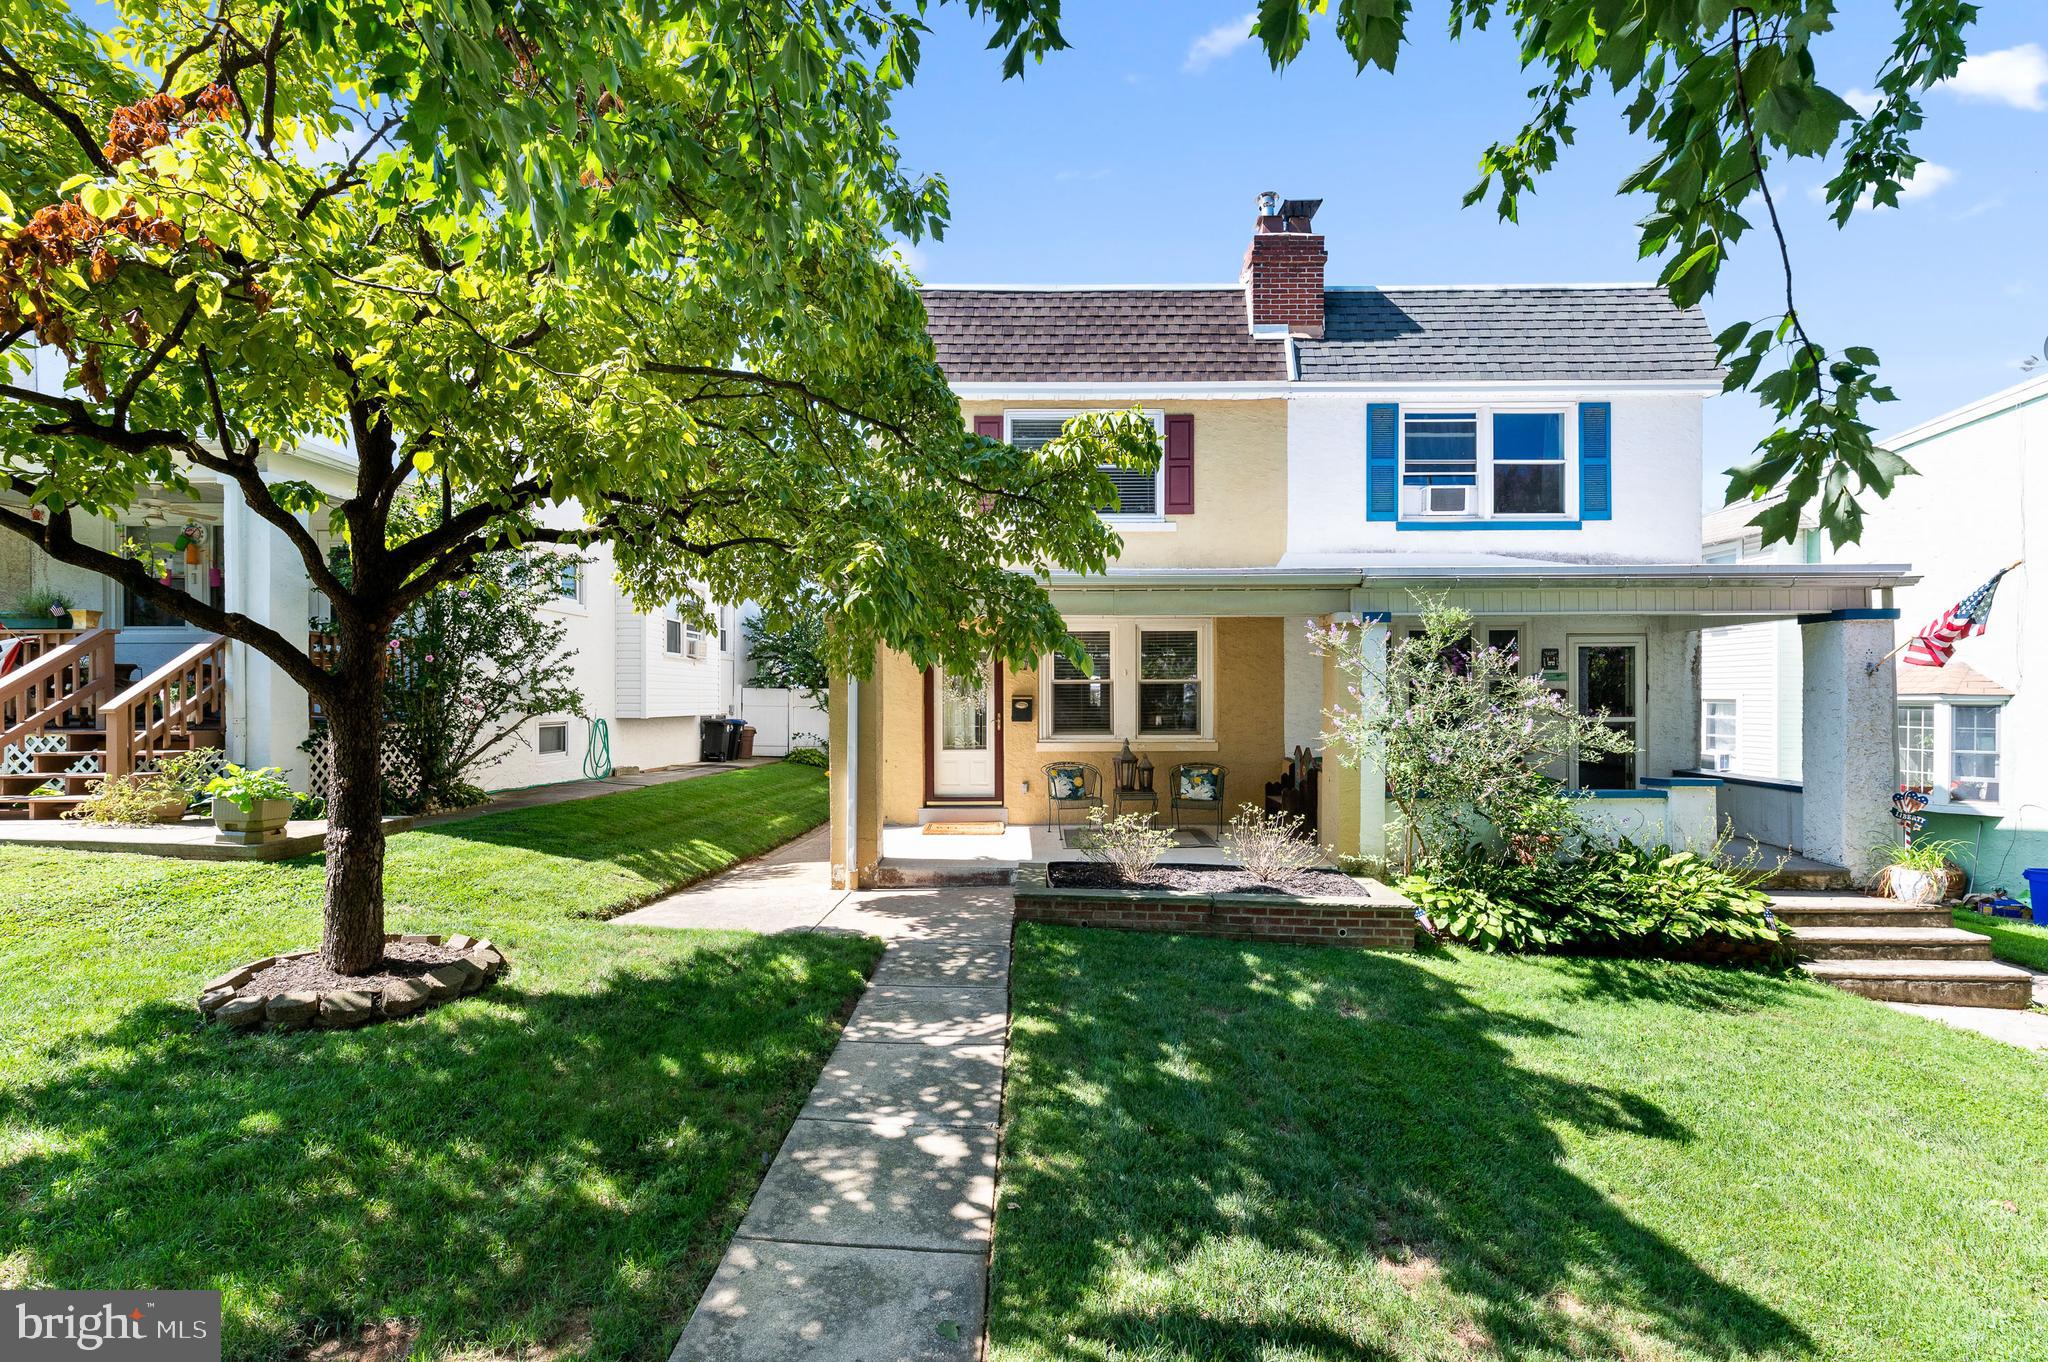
x,y
221,1000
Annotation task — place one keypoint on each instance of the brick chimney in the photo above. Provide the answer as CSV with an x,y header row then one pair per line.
x,y
1283,268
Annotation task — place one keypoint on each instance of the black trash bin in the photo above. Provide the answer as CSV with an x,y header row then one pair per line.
x,y
718,738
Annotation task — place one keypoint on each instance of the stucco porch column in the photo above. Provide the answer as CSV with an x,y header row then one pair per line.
x,y
1848,744
856,779
1353,801
265,580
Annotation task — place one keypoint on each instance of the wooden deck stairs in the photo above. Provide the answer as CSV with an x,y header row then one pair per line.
x,y
1897,952
64,728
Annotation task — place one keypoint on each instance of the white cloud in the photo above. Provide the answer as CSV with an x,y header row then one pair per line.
x,y
1219,42
911,258
1929,178
1980,208
2017,76
1862,101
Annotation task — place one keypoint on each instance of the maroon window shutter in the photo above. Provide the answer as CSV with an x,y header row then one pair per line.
x,y
1180,465
989,427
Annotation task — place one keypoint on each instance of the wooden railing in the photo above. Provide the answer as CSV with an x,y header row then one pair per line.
x,y
63,683
187,693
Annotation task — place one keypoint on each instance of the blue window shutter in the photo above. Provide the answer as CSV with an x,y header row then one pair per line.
x,y
1596,460
1382,460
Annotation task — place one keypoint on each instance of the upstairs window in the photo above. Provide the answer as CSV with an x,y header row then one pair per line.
x,y
1442,449
1528,463
1138,494
569,581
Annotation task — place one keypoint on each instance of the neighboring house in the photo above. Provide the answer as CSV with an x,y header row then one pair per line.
x,y
1964,731
648,677
1339,455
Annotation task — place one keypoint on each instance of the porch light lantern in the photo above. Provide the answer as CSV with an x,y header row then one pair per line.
x,y
1126,768
1145,774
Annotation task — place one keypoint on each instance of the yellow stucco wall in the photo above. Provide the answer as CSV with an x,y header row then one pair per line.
x,y
1249,723
1240,517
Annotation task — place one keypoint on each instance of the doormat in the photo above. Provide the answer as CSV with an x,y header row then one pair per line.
x,y
964,829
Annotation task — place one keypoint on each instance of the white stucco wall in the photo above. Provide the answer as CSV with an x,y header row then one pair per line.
x,y
1656,456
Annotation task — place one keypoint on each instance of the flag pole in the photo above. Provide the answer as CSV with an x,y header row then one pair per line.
x,y
1870,668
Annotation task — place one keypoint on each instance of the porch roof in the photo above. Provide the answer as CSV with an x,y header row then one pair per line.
x,y
1728,592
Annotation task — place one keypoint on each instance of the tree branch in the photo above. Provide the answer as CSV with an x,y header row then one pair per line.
x,y
16,77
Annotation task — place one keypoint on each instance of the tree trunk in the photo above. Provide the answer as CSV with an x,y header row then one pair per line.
x,y
352,940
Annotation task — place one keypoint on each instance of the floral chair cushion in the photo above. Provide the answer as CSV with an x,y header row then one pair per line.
x,y
1067,783
1200,784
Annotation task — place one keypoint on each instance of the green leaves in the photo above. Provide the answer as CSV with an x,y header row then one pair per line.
x,y
1723,93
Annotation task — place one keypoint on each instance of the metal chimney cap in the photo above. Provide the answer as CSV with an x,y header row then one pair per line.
x,y
1305,209
1269,203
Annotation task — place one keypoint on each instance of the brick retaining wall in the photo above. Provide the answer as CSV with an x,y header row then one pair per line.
x,y
1385,921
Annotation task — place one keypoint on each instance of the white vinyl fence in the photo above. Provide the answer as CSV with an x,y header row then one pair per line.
x,y
782,719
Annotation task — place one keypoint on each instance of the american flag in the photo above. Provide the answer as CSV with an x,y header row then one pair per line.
x,y
1934,645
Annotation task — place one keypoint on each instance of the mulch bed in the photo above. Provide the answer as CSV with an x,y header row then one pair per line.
x,y
402,960
1204,879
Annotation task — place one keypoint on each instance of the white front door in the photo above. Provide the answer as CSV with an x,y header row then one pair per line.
x,y
964,737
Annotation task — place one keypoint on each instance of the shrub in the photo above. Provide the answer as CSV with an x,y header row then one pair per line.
x,y
808,756
1270,846
129,801
192,770
245,789
1131,843
1626,898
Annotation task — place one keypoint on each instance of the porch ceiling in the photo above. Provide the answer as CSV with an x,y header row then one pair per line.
x,y
1722,593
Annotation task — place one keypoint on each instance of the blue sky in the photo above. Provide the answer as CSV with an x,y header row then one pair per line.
x,y
1134,157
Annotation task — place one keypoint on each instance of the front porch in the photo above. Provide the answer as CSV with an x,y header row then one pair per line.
x,y
1217,668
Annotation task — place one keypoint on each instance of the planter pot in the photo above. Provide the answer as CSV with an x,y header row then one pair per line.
x,y
30,624
258,825
85,619
1923,886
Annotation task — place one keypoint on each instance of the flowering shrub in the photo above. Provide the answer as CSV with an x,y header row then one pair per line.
x,y
1462,735
1269,845
1130,843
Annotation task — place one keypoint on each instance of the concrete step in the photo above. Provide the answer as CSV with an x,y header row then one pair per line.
x,y
965,812
1855,910
896,872
1950,983
1889,943
1809,878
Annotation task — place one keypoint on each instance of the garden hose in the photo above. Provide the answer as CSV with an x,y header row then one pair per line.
x,y
597,754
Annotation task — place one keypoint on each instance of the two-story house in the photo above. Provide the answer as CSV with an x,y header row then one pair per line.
x,y
1339,455
1965,731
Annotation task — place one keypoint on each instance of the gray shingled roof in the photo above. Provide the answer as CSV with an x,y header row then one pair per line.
x,y
1495,334
1112,335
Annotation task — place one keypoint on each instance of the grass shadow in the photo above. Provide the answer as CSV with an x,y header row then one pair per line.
x,y
1218,1151
517,1168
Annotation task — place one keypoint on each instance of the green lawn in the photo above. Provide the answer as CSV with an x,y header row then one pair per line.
x,y
558,1161
2022,943
1220,1151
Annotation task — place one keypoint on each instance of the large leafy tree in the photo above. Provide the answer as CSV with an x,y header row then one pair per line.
x,y
1721,92
565,252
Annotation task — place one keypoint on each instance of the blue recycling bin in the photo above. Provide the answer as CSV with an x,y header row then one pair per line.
x,y
2037,893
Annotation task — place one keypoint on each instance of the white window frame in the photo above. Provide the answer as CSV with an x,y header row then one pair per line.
x,y
1933,743
540,735
673,639
1413,501
1157,416
579,596
1720,758
1123,679
1942,765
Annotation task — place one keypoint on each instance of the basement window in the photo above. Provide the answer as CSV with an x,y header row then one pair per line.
x,y
554,740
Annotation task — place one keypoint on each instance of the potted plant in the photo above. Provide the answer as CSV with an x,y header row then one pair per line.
x,y
250,806
84,619
38,610
1922,872
135,800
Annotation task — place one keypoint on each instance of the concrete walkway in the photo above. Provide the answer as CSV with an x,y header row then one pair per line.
x,y
869,1236
2027,1029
